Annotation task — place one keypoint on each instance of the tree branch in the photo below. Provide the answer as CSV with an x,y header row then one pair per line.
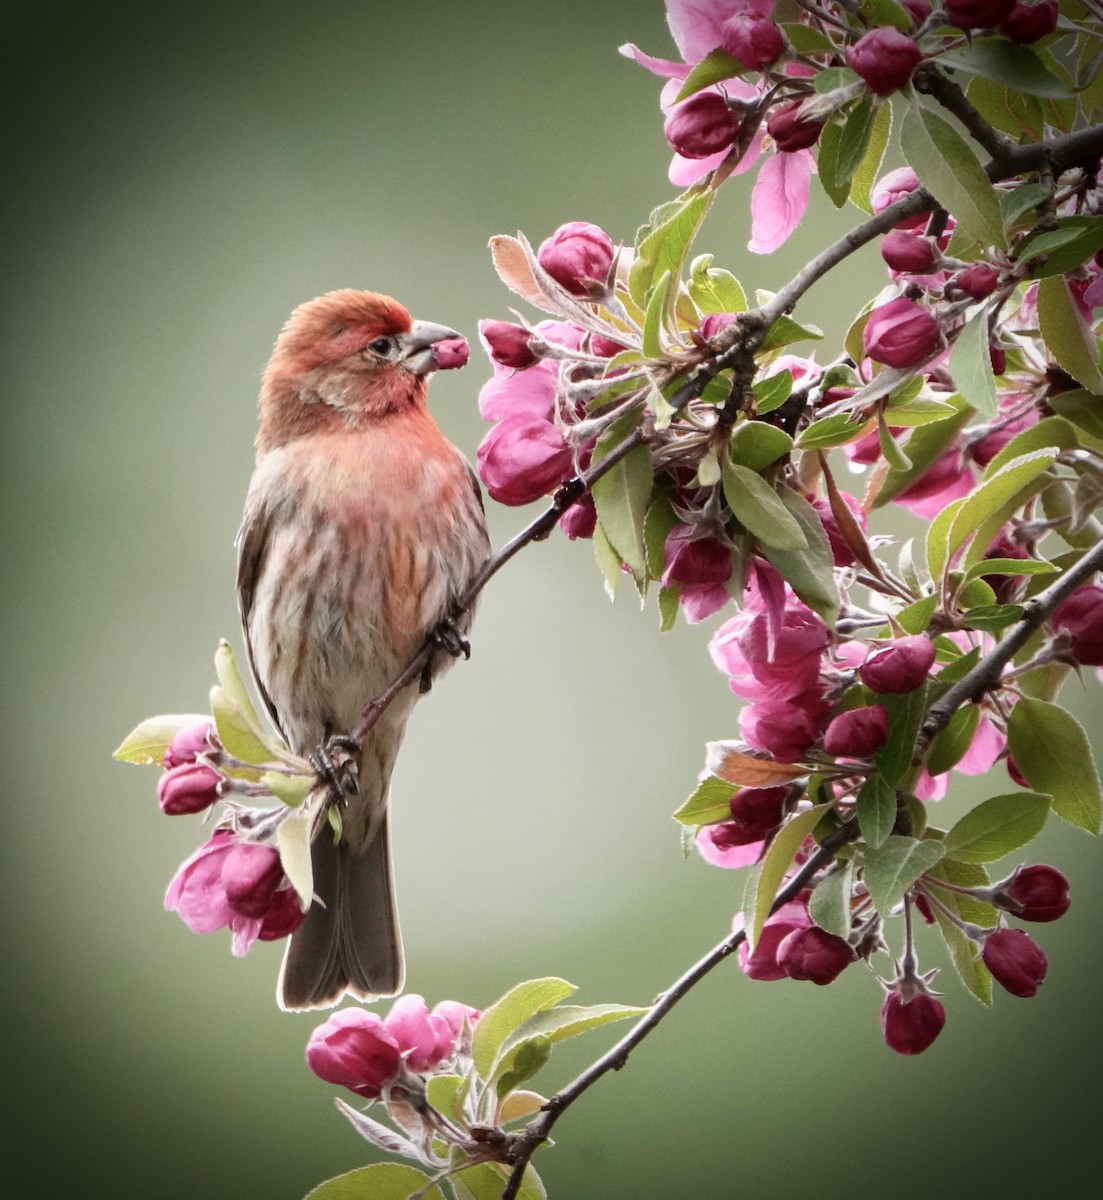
x,y
529,1139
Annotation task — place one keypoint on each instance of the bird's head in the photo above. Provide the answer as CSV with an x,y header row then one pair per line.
x,y
349,358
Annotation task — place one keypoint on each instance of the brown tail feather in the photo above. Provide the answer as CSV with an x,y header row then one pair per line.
x,y
349,940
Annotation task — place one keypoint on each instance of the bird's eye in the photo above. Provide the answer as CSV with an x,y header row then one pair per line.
x,y
381,345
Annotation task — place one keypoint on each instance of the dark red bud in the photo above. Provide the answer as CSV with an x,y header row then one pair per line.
x,y
909,1028
1029,22
900,667
815,955
976,14
509,345
900,334
757,811
701,126
885,59
789,131
1040,893
1081,618
977,280
753,40
909,252
189,788
1016,961
251,874
857,733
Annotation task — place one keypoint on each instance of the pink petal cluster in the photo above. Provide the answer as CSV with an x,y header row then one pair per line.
x,y
228,883
365,1052
700,567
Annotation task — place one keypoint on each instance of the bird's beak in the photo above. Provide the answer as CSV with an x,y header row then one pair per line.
x,y
427,347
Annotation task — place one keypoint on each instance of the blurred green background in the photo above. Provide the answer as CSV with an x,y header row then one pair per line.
x,y
179,178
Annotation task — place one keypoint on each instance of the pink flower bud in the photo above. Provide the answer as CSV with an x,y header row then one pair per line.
x,y
757,811
762,964
508,344
189,788
456,1015
885,59
909,1027
701,126
424,1038
579,256
1016,961
714,322
1081,617
1040,893
998,359
605,347
857,733
978,280
900,334
752,39
900,667
523,458
815,955
580,520
789,131
907,252
1029,22
920,10
449,354
976,14
189,742
692,559
251,873
354,1049
841,552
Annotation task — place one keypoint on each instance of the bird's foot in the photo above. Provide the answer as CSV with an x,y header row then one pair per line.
x,y
448,637
334,761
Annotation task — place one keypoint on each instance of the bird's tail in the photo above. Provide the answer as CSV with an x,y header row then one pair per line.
x,y
349,940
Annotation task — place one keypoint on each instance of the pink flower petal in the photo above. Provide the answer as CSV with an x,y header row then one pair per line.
x,y
779,199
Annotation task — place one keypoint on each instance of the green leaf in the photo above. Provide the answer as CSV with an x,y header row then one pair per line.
x,y
835,430
766,878
380,1181
784,331
810,571
713,68
1073,242
1048,433
759,509
950,170
870,167
891,869
486,1181
876,809
509,1013
663,243
963,951
655,316
566,1021
608,560
829,904
293,839
710,802
905,713
1066,333
990,497
991,618
1010,566
236,732
997,826
971,365
147,743
1050,748
713,289
1082,408
771,391
827,163
896,459
621,498
1006,63
857,130
519,1061
917,616
230,677
952,742
291,790
755,445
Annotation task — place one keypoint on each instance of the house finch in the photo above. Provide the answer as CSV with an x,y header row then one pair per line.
x,y
363,526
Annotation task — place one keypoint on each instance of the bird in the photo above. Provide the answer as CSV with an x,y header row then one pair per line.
x,y
363,528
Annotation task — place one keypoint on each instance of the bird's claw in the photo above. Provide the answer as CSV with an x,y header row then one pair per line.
x,y
334,761
448,637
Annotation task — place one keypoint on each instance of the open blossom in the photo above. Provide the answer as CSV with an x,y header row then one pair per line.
x,y
234,884
700,566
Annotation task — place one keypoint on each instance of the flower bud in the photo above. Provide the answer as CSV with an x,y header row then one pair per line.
x,y
900,666
857,733
885,59
789,131
251,873
701,126
976,14
189,788
578,256
1081,617
920,10
424,1038
997,358
908,252
450,354
1016,961
284,916
757,811
605,347
1029,22
978,280
900,334
508,344
815,955
692,559
580,520
841,551
910,1026
714,322
1040,893
523,458
762,964
355,1050
752,39
189,742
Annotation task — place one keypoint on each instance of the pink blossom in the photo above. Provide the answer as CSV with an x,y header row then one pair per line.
x,y
815,955
189,742
984,750
900,333
790,130
763,963
1081,619
507,344
354,1049
580,520
523,458
701,126
885,59
784,729
578,256
698,26
779,199
906,252
752,40
218,887
188,788
425,1039
899,667
700,566
771,664
892,186
1038,893
947,479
